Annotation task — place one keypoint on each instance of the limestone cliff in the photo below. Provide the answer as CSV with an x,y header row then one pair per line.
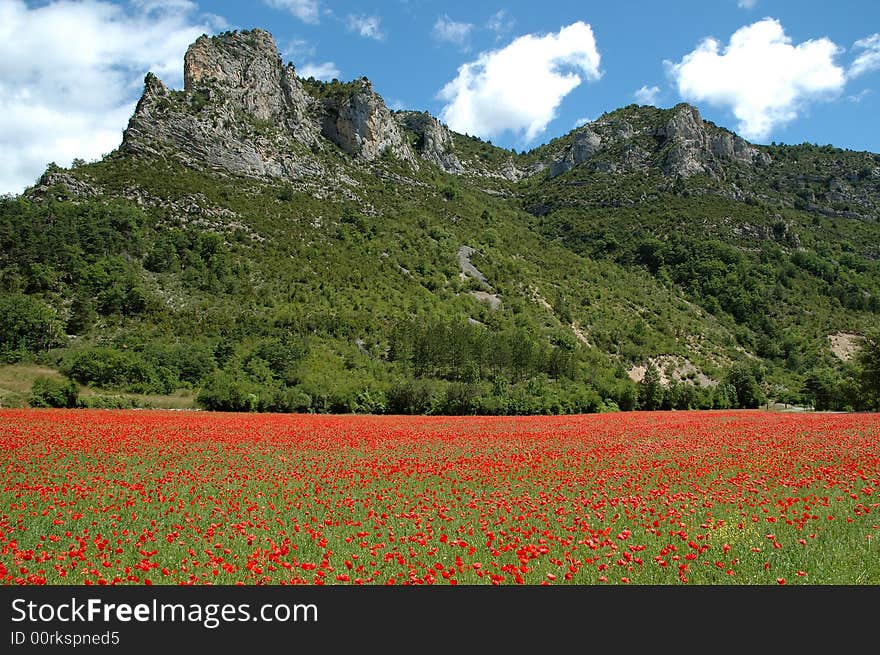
x,y
433,141
243,112
677,141
362,126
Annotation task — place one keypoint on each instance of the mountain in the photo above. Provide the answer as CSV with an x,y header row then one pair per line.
x,y
274,242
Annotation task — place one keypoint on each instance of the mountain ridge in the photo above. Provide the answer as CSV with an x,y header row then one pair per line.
x,y
244,112
308,241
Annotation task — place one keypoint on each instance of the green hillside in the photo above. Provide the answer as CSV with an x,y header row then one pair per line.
x,y
339,270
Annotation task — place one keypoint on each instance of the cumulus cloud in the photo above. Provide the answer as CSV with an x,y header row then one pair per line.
x,y
320,71
647,95
519,87
760,76
305,10
71,73
446,29
367,26
869,58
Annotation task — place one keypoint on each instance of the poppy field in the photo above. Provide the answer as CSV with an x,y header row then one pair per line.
x,y
149,497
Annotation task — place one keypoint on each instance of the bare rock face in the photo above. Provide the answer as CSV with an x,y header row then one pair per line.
x,y
246,71
586,144
697,149
213,137
434,140
363,126
682,146
241,111
687,134
246,67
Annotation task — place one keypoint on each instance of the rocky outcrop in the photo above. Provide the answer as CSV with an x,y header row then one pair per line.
x,y
362,126
62,181
245,68
682,145
244,71
167,125
694,148
241,111
586,143
433,140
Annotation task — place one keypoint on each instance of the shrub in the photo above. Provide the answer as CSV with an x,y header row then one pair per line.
x,y
108,402
114,369
412,397
223,393
48,392
286,399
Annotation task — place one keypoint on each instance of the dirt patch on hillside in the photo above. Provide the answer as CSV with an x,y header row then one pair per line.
x,y
845,345
540,300
490,299
580,336
468,269
673,367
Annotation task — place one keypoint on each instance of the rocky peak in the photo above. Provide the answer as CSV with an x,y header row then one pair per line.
x,y
240,112
153,86
244,65
434,140
677,140
244,112
694,147
361,124
686,125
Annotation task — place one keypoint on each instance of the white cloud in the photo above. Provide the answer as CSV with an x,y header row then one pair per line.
x,y
760,76
500,22
71,73
446,29
582,121
519,87
305,10
326,70
869,59
746,4
367,26
647,95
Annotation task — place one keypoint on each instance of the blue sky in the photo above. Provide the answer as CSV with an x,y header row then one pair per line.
x,y
519,73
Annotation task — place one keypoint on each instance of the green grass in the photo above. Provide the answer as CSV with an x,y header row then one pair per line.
x,y
16,381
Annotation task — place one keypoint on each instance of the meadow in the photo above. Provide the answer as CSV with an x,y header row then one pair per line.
x,y
667,498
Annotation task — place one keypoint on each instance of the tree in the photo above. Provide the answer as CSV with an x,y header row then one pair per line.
x,y
869,361
26,324
822,388
650,390
745,382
